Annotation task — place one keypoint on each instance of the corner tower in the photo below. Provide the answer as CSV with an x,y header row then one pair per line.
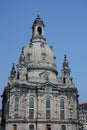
x,y
36,98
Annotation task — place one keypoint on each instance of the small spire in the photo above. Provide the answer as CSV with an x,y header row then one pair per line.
x,y
13,71
22,50
13,68
22,57
66,64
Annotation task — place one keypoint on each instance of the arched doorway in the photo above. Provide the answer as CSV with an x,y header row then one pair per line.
x,y
48,127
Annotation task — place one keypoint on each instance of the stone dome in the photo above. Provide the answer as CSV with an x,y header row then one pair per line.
x,y
39,55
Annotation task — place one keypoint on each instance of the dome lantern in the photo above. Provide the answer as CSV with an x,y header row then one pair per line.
x,y
38,30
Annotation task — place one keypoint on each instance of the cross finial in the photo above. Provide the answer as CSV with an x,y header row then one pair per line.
x,y
38,15
65,56
13,66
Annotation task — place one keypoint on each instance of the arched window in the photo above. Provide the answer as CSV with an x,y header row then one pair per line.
x,y
48,127
31,127
26,76
43,56
48,108
31,108
39,31
16,102
18,76
46,77
16,106
62,104
62,110
63,127
64,80
14,127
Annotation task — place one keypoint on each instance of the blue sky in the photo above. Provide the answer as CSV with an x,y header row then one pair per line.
x,y
65,30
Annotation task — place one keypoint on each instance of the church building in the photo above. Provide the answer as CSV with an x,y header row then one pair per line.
x,y
36,97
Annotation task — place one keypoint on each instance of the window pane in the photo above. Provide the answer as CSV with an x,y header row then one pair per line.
x,y
48,113
62,114
15,115
16,102
31,103
48,103
16,111
31,113
61,104
31,127
48,108
63,127
46,77
32,90
48,88
16,105
43,55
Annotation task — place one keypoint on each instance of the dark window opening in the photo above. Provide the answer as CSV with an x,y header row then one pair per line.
x,y
15,127
39,30
48,127
48,108
17,75
31,127
26,76
64,80
63,127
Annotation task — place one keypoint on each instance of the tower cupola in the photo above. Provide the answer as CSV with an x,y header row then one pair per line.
x,y
12,73
38,30
65,68
66,77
